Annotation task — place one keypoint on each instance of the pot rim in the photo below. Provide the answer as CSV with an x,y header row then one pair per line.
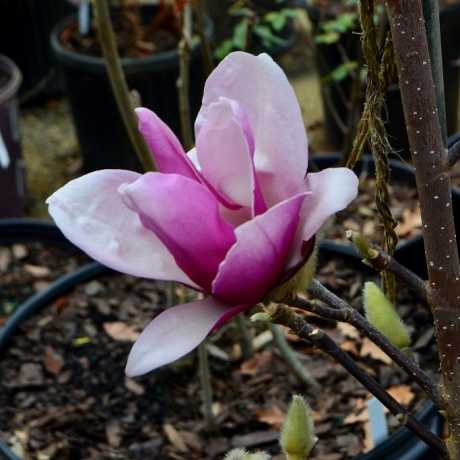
x,y
95,64
8,91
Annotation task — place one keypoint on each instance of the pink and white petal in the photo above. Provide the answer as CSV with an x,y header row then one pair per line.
x,y
166,149
91,214
173,334
261,88
331,191
256,261
185,216
224,153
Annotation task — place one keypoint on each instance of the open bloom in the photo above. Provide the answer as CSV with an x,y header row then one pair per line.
x,y
229,218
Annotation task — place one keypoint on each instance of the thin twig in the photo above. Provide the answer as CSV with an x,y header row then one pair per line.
x,y
380,260
206,388
287,317
119,85
341,311
290,357
183,82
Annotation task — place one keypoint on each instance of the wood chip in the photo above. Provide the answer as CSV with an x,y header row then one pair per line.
x,y
121,331
273,416
369,348
37,271
174,438
402,393
53,361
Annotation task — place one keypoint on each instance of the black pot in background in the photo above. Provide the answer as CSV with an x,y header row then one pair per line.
x,y
25,26
102,136
330,56
12,177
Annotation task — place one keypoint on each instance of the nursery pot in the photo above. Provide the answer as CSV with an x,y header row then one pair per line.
x,y
400,445
101,133
25,26
330,56
12,178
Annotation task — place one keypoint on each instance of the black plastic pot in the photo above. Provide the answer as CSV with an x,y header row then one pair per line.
x,y
12,177
25,26
101,133
401,445
330,56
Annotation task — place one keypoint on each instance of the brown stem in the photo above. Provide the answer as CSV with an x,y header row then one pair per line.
x,y
342,311
285,316
119,85
433,186
380,260
183,82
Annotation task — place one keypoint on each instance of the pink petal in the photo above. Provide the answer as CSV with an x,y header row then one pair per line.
x,y
167,151
90,213
173,334
261,88
332,190
256,261
184,215
225,152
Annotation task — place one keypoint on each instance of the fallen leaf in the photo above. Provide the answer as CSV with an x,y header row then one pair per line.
x,y
402,393
348,330
114,433
120,331
369,348
273,416
53,361
350,346
134,387
253,365
174,438
37,271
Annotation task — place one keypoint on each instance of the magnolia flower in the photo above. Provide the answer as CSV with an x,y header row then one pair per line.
x,y
229,218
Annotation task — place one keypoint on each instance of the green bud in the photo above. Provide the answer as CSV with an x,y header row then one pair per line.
x,y
298,433
261,316
383,316
241,454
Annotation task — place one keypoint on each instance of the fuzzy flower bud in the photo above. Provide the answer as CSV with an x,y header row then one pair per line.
x,y
298,436
383,316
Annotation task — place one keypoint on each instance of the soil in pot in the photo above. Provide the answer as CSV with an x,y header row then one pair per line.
x,y
140,32
69,398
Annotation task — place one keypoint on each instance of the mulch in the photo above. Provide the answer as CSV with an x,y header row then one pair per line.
x,y
64,395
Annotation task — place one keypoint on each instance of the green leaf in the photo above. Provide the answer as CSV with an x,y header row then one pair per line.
x,y
267,36
224,48
341,72
341,24
327,38
384,317
240,34
246,12
276,19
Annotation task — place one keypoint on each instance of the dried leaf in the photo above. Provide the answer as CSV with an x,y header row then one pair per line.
x,y
350,346
120,331
174,437
253,365
369,348
53,361
348,330
402,393
134,387
273,416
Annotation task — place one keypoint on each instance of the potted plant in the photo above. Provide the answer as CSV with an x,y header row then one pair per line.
x,y
147,40
25,26
337,42
12,179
